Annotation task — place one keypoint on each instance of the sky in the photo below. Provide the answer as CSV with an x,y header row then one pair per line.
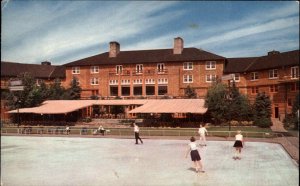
x,y
65,31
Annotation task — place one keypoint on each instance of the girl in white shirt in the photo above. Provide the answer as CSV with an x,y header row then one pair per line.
x,y
195,156
238,144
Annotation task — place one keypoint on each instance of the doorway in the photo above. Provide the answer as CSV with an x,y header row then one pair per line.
x,y
276,112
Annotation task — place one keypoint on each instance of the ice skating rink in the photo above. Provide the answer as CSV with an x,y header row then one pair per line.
x,y
65,161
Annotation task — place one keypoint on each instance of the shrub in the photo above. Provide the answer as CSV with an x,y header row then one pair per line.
x,y
263,122
234,123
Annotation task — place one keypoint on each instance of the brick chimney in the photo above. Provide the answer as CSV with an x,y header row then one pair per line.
x,y
114,49
273,52
178,45
45,63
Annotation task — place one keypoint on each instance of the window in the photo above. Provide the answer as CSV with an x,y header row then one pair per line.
x,y
125,82
236,77
160,67
273,74
75,70
162,81
210,65
187,78
162,90
113,82
113,91
150,90
289,102
254,90
94,81
125,90
211,78
294,87
139,69
39,82
119,69
137,81
188,66
295,72
273,88
149,81
94,69
137,90
254,76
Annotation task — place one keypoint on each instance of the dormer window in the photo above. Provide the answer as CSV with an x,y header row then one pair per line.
x,y
75,70
188,66
94,69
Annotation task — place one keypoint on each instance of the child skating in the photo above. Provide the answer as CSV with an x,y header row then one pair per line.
x,y
195,156
238,144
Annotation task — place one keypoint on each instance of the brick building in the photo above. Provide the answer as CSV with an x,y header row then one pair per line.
x,y
168,72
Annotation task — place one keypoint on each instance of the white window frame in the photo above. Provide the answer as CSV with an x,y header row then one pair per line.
x,y
294,72
75,70
149,81
113,82
125,82
94,69
210,65
162,81
273,74
187,78
119,69
138,81
188,66
94,81
237,77
209,78
139,68
161,68
254,76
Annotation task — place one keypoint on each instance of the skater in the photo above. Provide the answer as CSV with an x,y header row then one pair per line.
x,y
238,144
202,131
137,133
195,156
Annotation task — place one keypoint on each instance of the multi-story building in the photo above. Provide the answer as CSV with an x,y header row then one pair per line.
x,y
146,73
276,74
42,73
168,72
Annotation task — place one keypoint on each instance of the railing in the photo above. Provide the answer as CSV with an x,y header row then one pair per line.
x,y
129,131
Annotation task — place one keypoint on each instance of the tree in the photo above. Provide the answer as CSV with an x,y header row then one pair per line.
x,y
190,92
56,91
216,102
239,107
74,91
262,110
292,119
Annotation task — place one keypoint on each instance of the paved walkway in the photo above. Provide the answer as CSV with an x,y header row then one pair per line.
x,y
277,126
66,161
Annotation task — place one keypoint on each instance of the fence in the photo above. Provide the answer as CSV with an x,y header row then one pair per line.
x,y
129,132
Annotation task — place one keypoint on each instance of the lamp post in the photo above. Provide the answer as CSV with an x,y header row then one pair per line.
x,y
228,97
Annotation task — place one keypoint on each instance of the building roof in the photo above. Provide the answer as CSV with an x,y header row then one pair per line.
x,y
12,69
172,106
272,60
147,56
148,106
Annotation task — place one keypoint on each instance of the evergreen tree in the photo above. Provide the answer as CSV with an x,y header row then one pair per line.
x,y
262,110
74,91
56,91
190,92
